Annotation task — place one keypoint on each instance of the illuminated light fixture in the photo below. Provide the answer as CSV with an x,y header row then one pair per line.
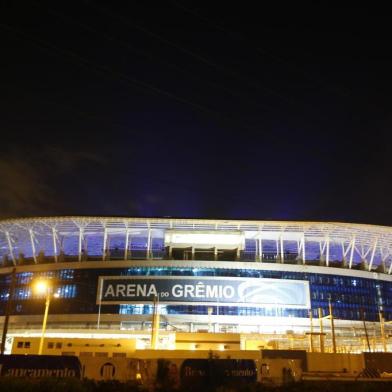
x,y
205,239
41,287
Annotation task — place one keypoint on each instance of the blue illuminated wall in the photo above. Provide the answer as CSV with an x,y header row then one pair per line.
x,y
78,289
92,245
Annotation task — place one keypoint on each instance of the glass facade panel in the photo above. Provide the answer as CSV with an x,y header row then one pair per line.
x,y
78,289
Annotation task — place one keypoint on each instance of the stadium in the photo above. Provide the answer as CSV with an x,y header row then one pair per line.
x,y
277,284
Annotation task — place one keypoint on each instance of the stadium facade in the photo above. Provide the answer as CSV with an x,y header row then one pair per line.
x,y
220,275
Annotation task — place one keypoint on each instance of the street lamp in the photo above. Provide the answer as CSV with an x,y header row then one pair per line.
x,y
43,287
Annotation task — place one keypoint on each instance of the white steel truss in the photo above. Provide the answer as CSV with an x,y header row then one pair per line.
x,y
368,245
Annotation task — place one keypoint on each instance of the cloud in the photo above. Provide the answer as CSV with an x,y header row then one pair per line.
x,y
25,179
22,188
65,161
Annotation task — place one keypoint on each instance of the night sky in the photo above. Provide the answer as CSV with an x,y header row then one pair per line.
x,y
185,109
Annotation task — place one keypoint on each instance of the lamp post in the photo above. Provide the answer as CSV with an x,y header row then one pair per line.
x,y
321,336
155,324
44,287
332,326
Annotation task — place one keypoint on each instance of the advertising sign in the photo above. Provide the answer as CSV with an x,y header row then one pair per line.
x,y
196,373
37,366
200,290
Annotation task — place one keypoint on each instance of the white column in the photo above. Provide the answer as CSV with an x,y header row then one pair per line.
x,y
383,260
7,234
281,249
321,249
149,243
257,250
327,251
303,249
33,245
54,235
260,243
126,245
80,244
352,252
105,240
373,253
364,255
344,253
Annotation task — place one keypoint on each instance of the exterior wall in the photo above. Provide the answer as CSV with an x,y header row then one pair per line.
x,y
163,367
348,264
272,371
350,363
76,283
146,370
208,341
120,369
79,347
258,344
120,347
380,361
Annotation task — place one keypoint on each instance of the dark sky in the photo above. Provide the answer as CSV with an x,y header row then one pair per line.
x,y
190,110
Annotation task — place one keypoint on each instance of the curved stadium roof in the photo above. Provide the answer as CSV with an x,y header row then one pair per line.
x,y
326,242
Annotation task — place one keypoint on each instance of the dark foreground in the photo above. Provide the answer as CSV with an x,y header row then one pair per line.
x,y
75,385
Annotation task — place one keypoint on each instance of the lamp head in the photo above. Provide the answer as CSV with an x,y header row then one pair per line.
x,y
41,286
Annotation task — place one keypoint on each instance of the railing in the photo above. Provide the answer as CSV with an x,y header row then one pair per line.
x,y
197,255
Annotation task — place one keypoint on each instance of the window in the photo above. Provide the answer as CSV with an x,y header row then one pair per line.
x,y
86,354
50,345
103,354
26,344
119,355
59,345
19,345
